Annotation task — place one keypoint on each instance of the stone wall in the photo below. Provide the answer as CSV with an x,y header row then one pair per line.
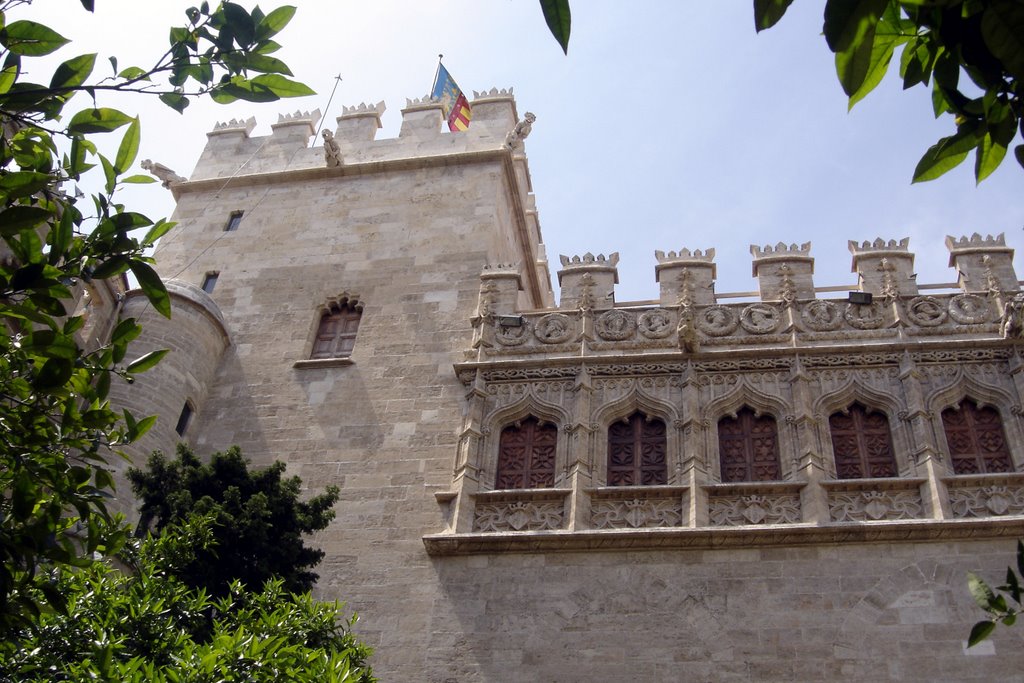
x,y
435,238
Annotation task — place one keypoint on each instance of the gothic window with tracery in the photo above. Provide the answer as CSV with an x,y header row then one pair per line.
x,y
526,455
862,444
637,452
336,334
748,448
977,443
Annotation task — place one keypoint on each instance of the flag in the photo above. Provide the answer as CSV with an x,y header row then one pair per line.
x,y
453,100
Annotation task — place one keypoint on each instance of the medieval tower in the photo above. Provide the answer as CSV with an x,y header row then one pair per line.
x,y
790,487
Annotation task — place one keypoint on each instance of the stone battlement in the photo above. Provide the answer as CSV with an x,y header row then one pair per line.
x,y
887,306
232,149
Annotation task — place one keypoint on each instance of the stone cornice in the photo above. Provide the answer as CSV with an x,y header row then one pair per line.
x,y
502,156
726,537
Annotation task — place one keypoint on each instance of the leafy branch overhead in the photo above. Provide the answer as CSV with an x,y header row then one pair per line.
x,y
559,20
57,427
994,601
970,53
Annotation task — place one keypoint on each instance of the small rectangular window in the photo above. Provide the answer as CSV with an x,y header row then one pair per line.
x,y
210,281
233,221
184,419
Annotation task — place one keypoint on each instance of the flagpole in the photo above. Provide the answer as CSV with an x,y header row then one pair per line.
x,y
337,80
437,74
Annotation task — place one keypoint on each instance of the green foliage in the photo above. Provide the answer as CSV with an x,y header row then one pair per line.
x,y
999,610
147,626
57,429
942,41
559,20
259,519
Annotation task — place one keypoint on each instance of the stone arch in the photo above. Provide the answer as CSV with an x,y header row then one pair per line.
x,y
856,391
527,406
964,386
620,409
728,405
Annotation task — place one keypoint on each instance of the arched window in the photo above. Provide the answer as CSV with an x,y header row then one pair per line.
x,y
748,448
526,455
336,334
862,444
977,444
636,452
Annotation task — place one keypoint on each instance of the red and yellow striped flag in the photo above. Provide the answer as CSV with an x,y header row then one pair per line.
x,y
453,101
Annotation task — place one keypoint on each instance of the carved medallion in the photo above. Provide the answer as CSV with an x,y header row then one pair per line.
x,y
926,311
865,316
656,324
969,309
759,318
615,325
511,336
553,328
717,321
821,316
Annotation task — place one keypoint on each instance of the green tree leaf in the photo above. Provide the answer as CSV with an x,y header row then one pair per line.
x,y
946,154
18,218
152,287
981,631
1002,28
31,39
73,72
768,12
274,22
129,147
101,120
850,27
147,361
559,20
980,591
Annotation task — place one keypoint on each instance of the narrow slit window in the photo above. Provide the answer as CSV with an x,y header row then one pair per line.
x,y
210,281
184,419
234,220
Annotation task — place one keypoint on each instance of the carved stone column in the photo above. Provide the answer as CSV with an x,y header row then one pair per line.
x,y
693,465
925,453
580,457
810,465
468,456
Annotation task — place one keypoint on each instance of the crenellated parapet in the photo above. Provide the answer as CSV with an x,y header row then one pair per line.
x,y
884,268
359,122
588,282
686,276
233,150
983,264
784,272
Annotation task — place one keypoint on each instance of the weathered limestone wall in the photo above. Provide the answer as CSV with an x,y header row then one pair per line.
x,y
404,227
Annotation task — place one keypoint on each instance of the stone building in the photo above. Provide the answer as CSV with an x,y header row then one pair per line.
x,y
789,487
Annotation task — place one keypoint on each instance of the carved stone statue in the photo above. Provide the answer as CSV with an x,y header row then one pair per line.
x,y
332,153
515,137
167,176
1013,318
687,333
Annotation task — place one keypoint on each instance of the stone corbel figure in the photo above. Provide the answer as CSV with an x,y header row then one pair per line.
x,y
332,153
686,333
1012,326
167,176
515,137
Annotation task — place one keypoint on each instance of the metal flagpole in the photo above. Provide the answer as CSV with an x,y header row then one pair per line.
x,y
437,74
337,80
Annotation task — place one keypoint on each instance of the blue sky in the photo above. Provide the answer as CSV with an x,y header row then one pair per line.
x,y
667,127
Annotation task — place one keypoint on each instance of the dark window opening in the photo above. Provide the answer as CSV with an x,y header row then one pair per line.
x,y
637,452
526,455
234,221
748,448
977,444
862,444
184,419
209,282
336,335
